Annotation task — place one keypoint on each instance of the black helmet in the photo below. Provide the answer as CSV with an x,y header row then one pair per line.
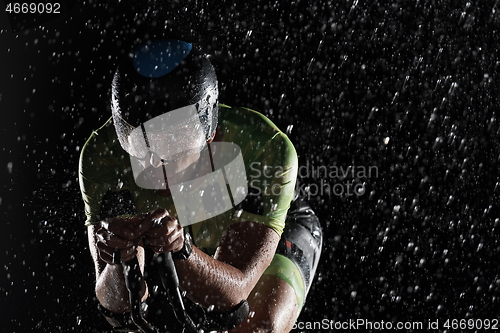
x,y
166,87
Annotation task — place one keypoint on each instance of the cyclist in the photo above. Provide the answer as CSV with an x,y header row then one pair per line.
x,y
239,235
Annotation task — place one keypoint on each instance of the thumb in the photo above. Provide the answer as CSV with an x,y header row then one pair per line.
x,y
157,214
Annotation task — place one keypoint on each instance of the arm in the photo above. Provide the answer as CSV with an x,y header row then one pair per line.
x,y
110,286
247,248
124,234
244,253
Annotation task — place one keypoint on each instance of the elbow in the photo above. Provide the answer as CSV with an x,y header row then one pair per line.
x,y
234,296
227,295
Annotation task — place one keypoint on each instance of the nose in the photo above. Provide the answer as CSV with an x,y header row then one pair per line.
x,y
156,161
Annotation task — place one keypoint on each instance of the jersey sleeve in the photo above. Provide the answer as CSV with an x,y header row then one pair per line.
x,y
98,172
271,168
271,180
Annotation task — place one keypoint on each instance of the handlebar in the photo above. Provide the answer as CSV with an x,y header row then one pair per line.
x,y
133,281
170,281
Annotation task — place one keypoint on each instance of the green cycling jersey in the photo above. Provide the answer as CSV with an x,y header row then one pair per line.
x,y
270,164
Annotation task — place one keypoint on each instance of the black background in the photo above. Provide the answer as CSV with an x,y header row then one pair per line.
x,y
410,87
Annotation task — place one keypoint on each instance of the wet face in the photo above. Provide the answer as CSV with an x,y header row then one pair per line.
x,y
164,173
161,174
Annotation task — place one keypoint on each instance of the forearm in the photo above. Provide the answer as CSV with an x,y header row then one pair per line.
x,y
211,282
227,284
241,258
111,290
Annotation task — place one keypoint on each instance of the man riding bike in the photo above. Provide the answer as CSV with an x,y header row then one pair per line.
x,y
175,171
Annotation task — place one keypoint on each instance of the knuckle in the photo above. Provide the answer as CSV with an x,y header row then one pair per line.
x,y
170,239
161,211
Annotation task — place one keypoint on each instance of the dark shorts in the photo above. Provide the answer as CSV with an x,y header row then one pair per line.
x,y
299,249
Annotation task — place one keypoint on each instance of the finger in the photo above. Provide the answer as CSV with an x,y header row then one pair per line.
x,y
172,247
127,254
137,226
105,253
154,218
106,258
123,227
112,240
169,225
109,251
108,254
165,238
158,217
163,231
158,213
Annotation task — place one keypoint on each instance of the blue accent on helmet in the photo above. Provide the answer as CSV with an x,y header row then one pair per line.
x,y
160,57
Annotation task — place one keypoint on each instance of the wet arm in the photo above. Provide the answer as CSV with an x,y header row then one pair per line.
x,y
225,280
110,284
